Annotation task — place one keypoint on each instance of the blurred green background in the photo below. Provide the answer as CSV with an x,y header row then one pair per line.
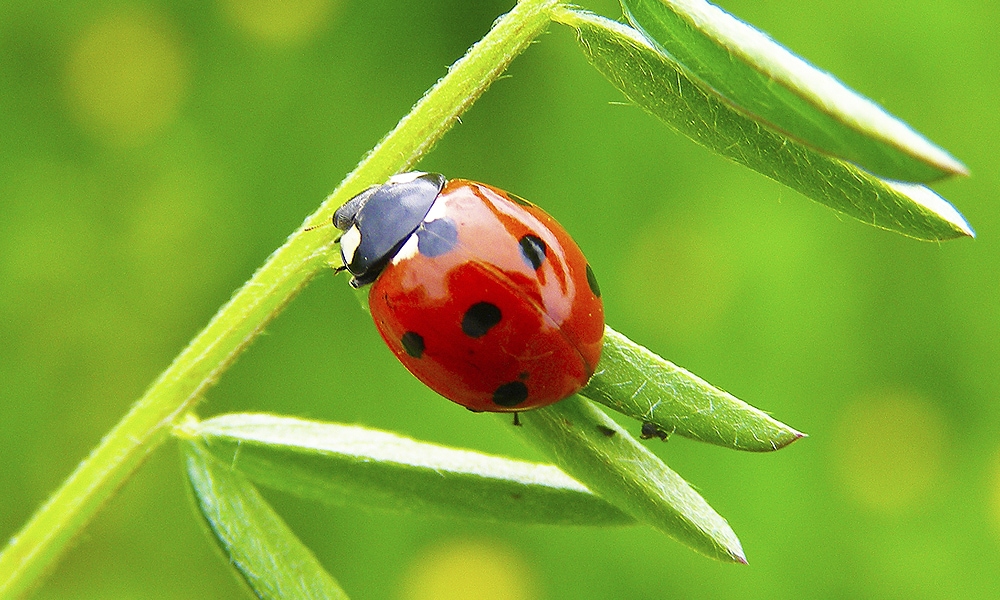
x,y
153,153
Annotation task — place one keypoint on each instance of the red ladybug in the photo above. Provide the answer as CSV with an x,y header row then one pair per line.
x,y
481,295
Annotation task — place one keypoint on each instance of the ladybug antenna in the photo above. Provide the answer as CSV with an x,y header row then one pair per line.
x,y
330,222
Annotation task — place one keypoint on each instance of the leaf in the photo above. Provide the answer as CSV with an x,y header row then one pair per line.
x,y
342,464
258,543
666,90
593,449
774,86
636,382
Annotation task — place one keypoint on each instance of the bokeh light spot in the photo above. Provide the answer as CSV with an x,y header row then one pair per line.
x,y
677,279
469,570
279,21
125,77
889,450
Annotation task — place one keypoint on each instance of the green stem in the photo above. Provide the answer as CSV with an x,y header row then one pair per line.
x,y
36,547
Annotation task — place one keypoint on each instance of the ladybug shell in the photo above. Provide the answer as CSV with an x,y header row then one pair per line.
x,y
490,303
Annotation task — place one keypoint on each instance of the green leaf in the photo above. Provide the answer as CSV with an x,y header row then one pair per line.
x,y
666,90
594,450
258,543
776,87
342,464
636,382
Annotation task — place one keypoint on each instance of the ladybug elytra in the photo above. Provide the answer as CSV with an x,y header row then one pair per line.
x,y
481,295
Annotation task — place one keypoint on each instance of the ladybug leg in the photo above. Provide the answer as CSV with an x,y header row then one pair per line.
x,y
517,419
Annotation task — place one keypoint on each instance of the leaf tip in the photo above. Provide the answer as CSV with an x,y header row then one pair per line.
x,y
954,167
938,208
931,155
740,557
968,231
789,439
734,553
963,229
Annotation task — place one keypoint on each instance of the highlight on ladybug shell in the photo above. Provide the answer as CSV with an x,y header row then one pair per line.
x,y
480,294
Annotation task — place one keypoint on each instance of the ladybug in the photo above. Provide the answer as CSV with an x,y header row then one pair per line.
x,y
481,295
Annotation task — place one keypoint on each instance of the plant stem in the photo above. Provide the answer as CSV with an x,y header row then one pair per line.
x,y
38,545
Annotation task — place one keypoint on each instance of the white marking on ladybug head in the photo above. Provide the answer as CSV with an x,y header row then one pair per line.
x,y
409,249
349,243
405,177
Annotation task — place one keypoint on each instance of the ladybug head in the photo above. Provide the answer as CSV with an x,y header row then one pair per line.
x,y
378,221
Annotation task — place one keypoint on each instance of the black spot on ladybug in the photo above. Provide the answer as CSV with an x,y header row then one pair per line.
x,y
592,281
510,394
480,318
523,376
606,431
532,250
413,343
436,237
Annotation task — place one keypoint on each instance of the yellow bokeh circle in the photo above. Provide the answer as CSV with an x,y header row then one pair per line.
x,y
888,450
469,570
126,76
279,21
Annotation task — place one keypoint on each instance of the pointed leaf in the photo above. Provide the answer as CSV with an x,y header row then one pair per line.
x,y
593,449
663,88
776,87
258,543
342,464
636,382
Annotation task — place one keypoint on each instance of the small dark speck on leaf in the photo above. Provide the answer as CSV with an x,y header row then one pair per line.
x,y
606,431
651,430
